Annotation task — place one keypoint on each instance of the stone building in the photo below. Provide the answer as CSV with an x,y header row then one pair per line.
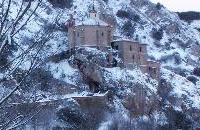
x,y
135,53
92,32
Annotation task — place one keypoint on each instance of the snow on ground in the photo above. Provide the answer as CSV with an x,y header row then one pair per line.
x,y
63,71
116,5
195,24
72,95
135,76
92,21
182,86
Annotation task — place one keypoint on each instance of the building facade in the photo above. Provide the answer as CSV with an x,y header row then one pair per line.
x,y
135,53
92,32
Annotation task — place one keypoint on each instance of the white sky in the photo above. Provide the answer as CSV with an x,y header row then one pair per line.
x,y
180,5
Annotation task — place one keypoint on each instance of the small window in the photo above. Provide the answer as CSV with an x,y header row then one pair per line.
x,y
140,49
133,58
112,44
117,47
130,48
149,68
102,34
139,59
78,34
154,70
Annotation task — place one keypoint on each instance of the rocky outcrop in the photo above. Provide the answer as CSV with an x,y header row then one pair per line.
x,y
136,97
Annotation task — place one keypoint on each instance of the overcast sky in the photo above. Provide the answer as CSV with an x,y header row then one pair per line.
x,y
180,5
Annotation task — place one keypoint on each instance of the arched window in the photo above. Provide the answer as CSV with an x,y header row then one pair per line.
x,y
139,59
102,34
149,69
154,70
97,36
109,36
140,49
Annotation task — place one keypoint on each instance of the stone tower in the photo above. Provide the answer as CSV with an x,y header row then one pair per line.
x,y
93,13
70,22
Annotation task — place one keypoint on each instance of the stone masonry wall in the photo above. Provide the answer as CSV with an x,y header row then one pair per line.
x,y
90,35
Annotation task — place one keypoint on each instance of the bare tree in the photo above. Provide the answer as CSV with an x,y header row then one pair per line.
x,y
33,55
8,29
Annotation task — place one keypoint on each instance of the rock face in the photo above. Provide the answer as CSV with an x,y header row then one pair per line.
x,y
134,94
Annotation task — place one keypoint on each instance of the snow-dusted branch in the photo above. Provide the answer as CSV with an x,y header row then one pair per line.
x,y
25,121
33,66
25,23
4,17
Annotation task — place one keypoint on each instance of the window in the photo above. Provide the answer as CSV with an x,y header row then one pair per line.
x,y
78,34
140,49
117,48
97,36
139,60
133,58
109,36
154,70
149,69
130,48
102,34
112,44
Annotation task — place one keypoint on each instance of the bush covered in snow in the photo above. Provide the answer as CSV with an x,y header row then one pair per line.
x,y
122,14
38,78
105,1
129,15
177,59
72,115
196,71
158,6
178,120
193,79
6,51
62,3
59,57
128,28
157,34
3,63
164,89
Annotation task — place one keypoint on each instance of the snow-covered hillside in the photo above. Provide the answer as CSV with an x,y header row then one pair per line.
x,y
172,42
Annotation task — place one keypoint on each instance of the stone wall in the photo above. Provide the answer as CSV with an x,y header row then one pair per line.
x,y
90,35
43,115
132,52
92,101
152,68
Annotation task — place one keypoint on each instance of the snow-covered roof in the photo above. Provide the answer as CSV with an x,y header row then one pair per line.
x,y
92,21
122,40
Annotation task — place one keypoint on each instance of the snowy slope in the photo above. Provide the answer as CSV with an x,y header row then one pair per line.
x,y
175,50
182,87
